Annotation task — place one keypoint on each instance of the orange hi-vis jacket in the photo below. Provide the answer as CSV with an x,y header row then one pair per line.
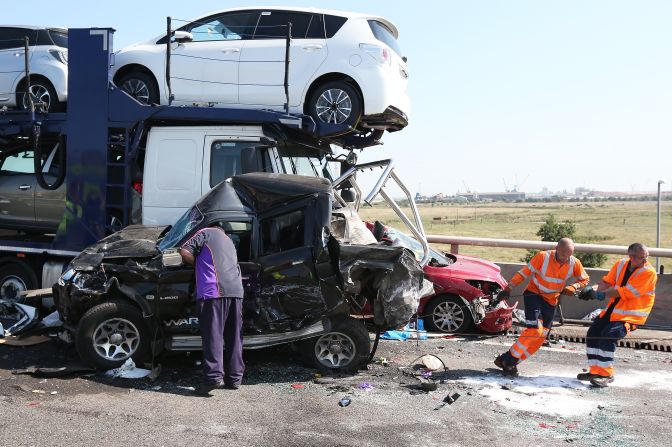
x,y
635,299
549,278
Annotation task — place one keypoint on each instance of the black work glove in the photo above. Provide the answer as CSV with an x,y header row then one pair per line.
x,y
504,294
587,294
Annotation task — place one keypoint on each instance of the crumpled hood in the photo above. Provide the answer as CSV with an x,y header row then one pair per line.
x,y
134,241
467,267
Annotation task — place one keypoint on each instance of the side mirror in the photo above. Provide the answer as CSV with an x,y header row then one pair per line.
x,y
348,195
182,36
171,258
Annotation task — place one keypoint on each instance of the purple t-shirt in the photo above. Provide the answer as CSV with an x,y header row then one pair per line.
x,y
216,264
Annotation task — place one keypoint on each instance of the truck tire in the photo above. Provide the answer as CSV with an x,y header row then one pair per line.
x,y
447,314
335,102
110,333
15,277
345,348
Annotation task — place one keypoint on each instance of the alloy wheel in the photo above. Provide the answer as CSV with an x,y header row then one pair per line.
x,y
40,95
11,287
335,350
334,106
137,89
448,316
116,339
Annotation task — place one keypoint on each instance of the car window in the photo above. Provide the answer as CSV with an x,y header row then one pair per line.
x,y
332,24
316,27
59,38
184,224
18,163
225,159
231,26
14,37
283,232
384,34
240,234
273,24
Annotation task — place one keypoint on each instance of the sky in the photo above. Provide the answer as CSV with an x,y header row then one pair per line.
x,y
557,94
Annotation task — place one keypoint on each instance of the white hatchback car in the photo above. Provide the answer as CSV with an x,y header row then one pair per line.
x,y
345,68
48,64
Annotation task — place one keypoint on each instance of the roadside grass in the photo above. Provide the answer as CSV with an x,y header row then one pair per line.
x,y
609,223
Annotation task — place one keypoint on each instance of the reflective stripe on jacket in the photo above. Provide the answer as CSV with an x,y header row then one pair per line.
x,y
549,278
635,299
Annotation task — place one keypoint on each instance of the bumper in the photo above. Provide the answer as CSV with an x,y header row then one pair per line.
x,y
392,119
499,319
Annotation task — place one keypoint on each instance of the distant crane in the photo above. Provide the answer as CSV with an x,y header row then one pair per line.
x,y
516,186
467,188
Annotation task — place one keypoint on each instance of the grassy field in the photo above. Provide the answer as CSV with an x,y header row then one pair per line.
x,y
611,223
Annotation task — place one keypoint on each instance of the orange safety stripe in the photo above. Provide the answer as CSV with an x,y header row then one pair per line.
x,y
636,298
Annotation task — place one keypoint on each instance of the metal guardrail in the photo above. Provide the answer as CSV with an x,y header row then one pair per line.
x,y
456,241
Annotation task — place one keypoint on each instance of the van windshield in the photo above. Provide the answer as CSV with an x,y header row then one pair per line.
x,y
183,225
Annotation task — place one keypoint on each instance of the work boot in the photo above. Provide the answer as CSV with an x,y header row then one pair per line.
x,y
507,370
204,389
586,377
601,381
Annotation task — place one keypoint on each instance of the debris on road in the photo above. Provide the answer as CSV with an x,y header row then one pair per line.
x,y
128,371
60,371
13,340
344,402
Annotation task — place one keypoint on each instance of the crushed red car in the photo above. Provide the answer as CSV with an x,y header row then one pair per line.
x,y
465,288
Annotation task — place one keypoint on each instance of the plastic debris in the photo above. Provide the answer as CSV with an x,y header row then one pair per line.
x,y
448,400
545,425
366,386
39,391
428,384
297,386
383,361
52,320
432,362
591,316
344,402
407,333
53,393
128,371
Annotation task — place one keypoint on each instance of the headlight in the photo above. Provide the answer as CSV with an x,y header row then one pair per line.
x,y
65,277
61,56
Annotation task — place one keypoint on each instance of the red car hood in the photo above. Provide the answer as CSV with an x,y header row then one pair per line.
x,y
467,267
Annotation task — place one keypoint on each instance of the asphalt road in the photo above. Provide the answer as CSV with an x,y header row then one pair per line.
x,y
281,405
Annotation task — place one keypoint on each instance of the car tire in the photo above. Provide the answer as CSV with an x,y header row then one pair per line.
x,y
15,277
447,314
110,333
44,92
335,102
346,347
140,86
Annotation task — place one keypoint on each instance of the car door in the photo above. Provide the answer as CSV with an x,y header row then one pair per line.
x,y
50,203
262,62
205,69
17,189
12,62
290,291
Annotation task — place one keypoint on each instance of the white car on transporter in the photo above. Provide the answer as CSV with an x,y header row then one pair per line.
x,y
344,67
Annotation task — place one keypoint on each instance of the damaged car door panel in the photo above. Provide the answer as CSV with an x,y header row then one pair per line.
x,y
128,293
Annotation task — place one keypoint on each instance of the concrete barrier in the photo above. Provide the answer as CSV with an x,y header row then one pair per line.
x,y
574,308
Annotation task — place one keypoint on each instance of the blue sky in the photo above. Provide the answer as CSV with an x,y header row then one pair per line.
x,y
558,94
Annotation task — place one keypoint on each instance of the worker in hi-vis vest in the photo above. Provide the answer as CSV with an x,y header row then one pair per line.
x,y
631,285
552,272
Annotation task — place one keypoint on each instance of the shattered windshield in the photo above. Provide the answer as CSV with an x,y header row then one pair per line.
x,y
184,224
404,240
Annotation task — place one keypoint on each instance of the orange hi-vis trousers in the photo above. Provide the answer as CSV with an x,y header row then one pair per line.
x,y
538,320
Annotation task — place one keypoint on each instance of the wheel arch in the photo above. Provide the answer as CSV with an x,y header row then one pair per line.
x,y
130,68
330,77
21,85
438,296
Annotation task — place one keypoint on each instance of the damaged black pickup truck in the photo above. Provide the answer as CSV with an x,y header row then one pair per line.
x,y
307,266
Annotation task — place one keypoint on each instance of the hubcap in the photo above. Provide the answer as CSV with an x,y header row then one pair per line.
x,y
137,89
335,350
334,106
11,287
39,94
116,339
448,316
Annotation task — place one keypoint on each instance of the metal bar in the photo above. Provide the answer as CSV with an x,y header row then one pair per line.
x,y
380,183
411,203
27,95
660,182
288,43
540,245
168,50
407,221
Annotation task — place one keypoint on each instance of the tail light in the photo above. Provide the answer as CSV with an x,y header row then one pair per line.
x,y
379,53
138,187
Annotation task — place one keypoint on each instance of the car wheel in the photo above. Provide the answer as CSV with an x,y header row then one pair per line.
x,y
447,314
336,102
14,279
141,86
44,94
110,333
345,348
